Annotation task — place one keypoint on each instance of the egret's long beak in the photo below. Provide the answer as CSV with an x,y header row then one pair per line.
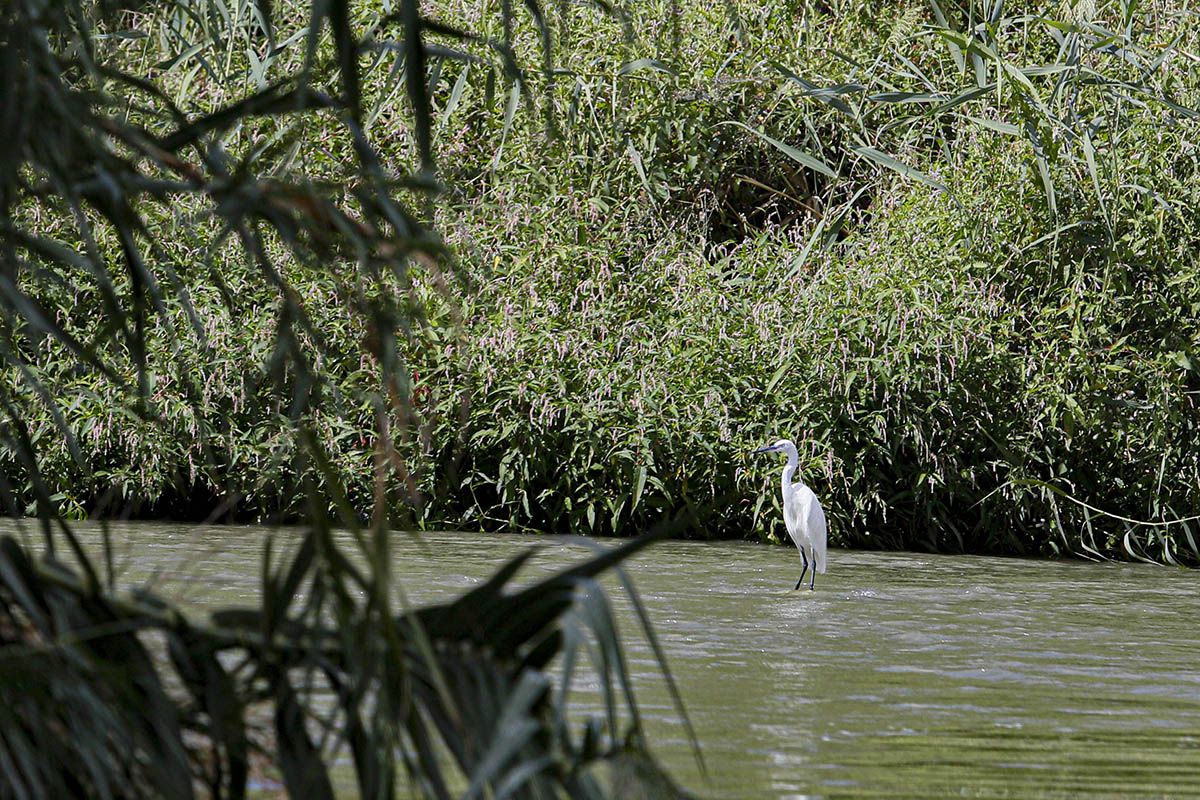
x,y
766,448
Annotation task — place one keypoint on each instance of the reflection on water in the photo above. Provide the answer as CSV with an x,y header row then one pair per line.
x,y
900,676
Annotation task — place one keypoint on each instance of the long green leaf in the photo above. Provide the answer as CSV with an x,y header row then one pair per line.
x,y
799,156
894,164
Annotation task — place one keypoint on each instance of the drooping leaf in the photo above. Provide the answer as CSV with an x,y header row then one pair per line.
x,y
799,156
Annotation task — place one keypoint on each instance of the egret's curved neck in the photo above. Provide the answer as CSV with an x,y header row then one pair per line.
x,y
793,462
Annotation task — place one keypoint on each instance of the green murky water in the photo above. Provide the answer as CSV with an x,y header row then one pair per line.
x,y
900,676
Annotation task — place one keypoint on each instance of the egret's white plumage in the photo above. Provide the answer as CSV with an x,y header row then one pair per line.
x,y
802,513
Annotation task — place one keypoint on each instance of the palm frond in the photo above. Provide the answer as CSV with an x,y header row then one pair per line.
x,y
487,698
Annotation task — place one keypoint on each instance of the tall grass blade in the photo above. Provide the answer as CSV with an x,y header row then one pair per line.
x,y
799,156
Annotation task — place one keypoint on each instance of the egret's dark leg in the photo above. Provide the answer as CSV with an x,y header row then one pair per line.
x,y
812,579
799,582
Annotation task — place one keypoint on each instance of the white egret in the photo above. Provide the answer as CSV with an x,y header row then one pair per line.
x,y
802,513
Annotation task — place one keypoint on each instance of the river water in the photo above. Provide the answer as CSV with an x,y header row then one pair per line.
x,y
902,675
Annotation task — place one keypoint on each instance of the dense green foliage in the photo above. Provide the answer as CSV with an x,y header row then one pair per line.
x,y
948,249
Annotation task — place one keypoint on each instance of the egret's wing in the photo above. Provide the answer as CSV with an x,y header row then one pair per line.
x,y
792,508
817,531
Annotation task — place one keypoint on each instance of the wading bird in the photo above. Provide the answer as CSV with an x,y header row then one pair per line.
x,y
802,513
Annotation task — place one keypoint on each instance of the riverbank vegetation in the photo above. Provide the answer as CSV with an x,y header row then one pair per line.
x,y
948,248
